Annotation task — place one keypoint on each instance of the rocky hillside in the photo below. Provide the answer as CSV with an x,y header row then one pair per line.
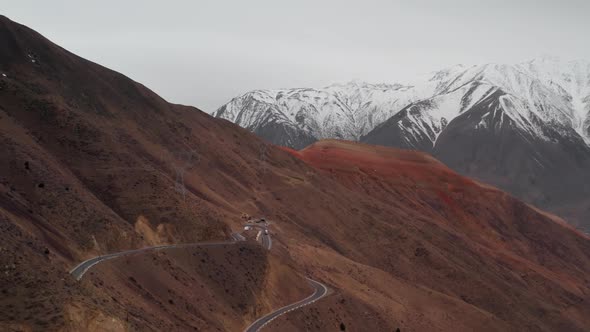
x,y
523,127
93,163
298,117
543,90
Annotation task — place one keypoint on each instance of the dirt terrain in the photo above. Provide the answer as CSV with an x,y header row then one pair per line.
x,y
93,163
438,251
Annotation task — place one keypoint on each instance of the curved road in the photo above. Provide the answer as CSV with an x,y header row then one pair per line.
x,y
320,290
263,235
79,271
266,241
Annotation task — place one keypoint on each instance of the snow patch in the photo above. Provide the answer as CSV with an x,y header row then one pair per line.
x,y
538,93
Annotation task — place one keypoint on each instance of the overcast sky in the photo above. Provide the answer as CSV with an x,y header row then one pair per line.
x,y
203,53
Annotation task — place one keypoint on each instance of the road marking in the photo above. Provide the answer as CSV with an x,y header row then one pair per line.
x,y
264,320
81,269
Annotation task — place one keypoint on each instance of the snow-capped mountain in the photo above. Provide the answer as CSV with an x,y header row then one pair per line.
x,y
540,91
532,95
523,127
298,117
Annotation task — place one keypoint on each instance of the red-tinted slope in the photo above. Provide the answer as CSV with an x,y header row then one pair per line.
x,y
93,162
355,158
427,225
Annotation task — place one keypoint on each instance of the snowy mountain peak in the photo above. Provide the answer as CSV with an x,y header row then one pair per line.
x,y
358,84
522,127
346,110
543,91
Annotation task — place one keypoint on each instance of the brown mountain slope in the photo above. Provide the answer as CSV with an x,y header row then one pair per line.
x,y
93,162
425,225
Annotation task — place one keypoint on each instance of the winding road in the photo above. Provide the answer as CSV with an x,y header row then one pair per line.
x,y
320,290
266,241
79,271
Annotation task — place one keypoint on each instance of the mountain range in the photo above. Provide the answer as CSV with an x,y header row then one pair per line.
x,y
93,163
523,127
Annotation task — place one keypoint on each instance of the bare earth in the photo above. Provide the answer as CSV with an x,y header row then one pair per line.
x,y
94,163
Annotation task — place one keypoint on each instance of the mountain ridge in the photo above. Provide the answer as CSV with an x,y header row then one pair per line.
x,y
533,118
93,163
562,81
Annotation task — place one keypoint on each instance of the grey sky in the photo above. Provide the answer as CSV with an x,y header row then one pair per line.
x,y
203,53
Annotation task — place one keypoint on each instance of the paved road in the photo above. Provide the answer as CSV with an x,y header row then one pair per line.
x,y
262,235
266,241
320,290
79,271
238,237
